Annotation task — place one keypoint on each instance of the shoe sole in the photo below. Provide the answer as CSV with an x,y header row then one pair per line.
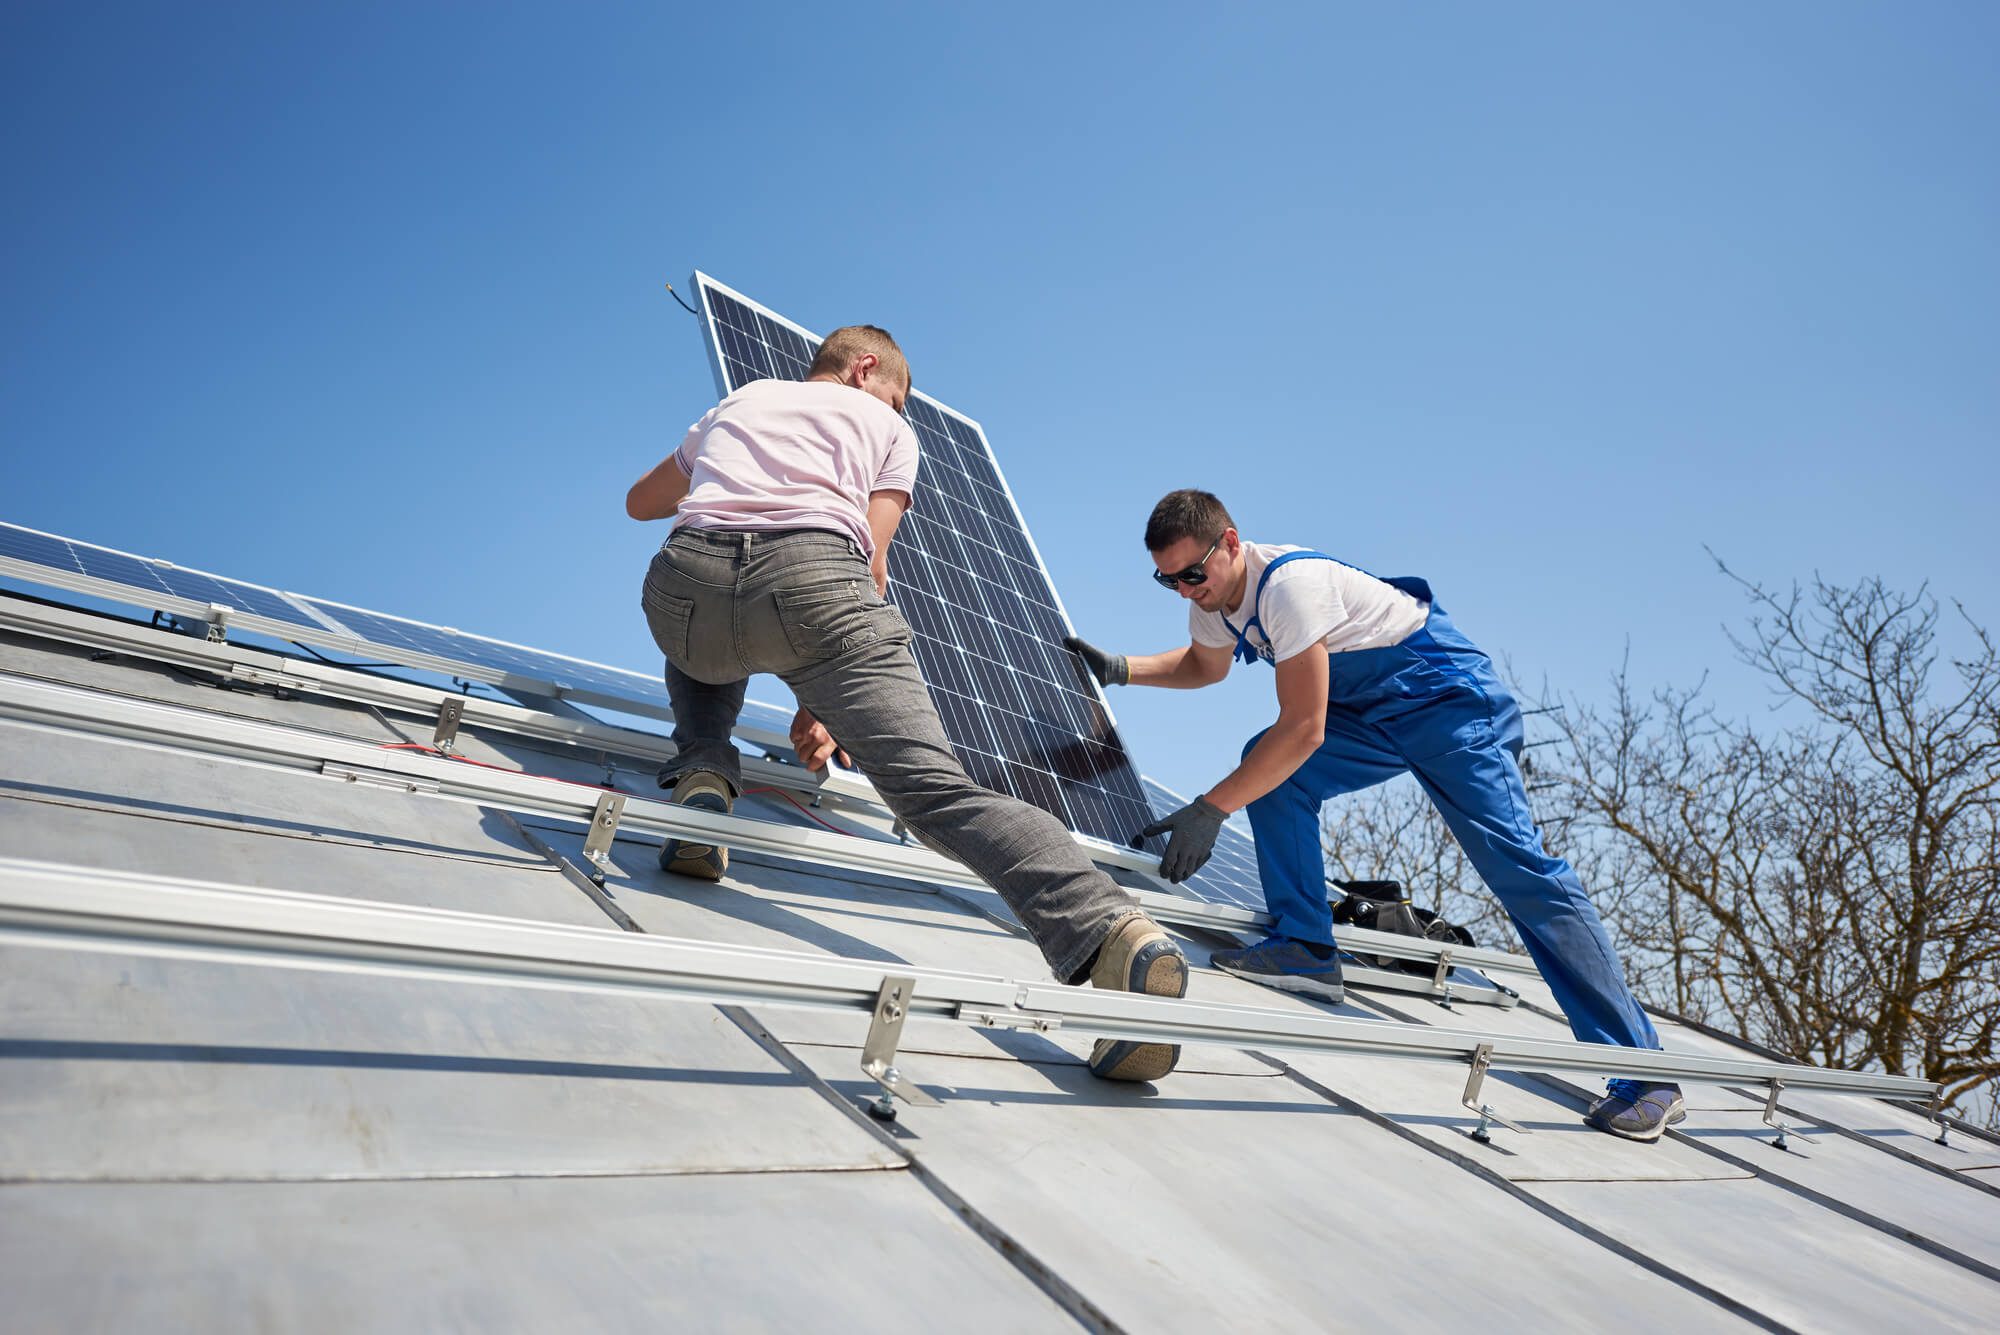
x,y
1161,971
704,862
1674,1118
1286,982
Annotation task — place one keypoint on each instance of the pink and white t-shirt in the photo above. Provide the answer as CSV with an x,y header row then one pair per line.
x,y
781,454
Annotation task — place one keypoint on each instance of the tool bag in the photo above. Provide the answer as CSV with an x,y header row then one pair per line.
x,y
1383,907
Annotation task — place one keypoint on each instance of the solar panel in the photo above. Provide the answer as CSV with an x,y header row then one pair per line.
x,y
1022,713
45,558
67,557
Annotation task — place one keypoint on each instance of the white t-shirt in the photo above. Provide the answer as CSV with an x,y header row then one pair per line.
x,y
1311,599
795,454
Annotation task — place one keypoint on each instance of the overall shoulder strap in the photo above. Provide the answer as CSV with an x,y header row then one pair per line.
x,y
1244,653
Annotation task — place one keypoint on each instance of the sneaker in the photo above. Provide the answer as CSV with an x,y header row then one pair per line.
x,y
704,792
1137,957
1637,1110
1288,965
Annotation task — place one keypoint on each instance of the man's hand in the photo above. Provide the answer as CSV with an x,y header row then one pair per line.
x,y
814,743
1193,829
1109,669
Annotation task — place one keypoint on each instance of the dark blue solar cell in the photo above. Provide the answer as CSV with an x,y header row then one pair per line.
x,y
42,549
132,571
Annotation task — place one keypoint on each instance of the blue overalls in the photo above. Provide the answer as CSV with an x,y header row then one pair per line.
x,y
1433,705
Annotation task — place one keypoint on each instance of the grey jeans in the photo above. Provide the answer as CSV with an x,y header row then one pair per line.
x,y
724,604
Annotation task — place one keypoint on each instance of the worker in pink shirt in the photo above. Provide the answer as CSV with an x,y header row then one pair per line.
x,y
786,496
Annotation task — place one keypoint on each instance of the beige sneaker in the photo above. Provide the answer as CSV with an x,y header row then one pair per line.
x,y
700,789
1137,957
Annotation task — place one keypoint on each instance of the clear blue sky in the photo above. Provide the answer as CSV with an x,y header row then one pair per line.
x,y
1533,300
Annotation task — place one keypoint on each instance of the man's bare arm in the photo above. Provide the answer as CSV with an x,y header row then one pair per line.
x,y
1300,729
1180,669
885,513
659,494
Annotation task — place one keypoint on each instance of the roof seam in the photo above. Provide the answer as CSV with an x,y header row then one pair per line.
x,y
1493,1179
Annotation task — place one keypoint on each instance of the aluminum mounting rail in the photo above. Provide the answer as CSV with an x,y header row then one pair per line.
x,y
259,667
263,668
38,703
63,907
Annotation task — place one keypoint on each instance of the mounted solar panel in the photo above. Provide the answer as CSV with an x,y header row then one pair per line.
x,y
161,586
1022,713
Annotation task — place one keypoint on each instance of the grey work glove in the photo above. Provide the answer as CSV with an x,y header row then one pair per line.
x,y
1193,829
1109,669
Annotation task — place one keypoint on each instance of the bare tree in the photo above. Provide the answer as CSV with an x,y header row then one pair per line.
x,y
1827,886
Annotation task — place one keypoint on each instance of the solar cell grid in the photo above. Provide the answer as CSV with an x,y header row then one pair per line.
x,y
146,576
1021,711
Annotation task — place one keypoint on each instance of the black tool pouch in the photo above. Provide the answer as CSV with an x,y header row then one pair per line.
x,y
1383,907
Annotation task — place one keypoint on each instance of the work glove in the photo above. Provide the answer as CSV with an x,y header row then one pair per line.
x,y
1192,829
1109,669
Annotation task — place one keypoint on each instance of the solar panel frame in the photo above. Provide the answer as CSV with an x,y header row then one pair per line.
x,y
1070,780
30,555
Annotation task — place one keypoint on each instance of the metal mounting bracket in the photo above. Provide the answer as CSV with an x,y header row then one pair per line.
x,y
878,1051
451,712
1482,1057
375,778
1937,1118
1777,1123
1441,980
603,829
218,624
985,1018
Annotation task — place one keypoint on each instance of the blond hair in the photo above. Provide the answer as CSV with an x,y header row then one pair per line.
x,y
849,344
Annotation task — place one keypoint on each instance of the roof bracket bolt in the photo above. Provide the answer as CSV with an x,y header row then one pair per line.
x,y
603,829
1482,1057
878,1050
450,713
1771,1119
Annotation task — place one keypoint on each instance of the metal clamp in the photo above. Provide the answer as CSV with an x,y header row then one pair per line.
x,y
603,829
1482,1057
1441,980
1937,1118
1777,1124
450,713
878,1051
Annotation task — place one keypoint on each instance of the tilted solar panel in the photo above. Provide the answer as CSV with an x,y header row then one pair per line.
x,y
1021,711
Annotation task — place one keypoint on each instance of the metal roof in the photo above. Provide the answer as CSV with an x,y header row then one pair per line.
x,y
209,1132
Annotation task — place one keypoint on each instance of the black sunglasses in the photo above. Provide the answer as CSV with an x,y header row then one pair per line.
x,y
1194,574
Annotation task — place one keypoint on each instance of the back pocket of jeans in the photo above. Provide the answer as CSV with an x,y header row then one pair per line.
x,y
827,620
668,617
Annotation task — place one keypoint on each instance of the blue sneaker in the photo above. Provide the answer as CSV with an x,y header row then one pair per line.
x,y
1287,964
1637,1110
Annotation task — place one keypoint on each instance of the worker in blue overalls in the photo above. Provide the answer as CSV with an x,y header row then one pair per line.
x,y
1373,680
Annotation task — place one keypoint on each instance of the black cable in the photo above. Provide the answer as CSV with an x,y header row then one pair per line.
x,y
684,306
335,662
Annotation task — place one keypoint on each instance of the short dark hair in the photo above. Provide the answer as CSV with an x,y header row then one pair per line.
x,y
1186,514
850,343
